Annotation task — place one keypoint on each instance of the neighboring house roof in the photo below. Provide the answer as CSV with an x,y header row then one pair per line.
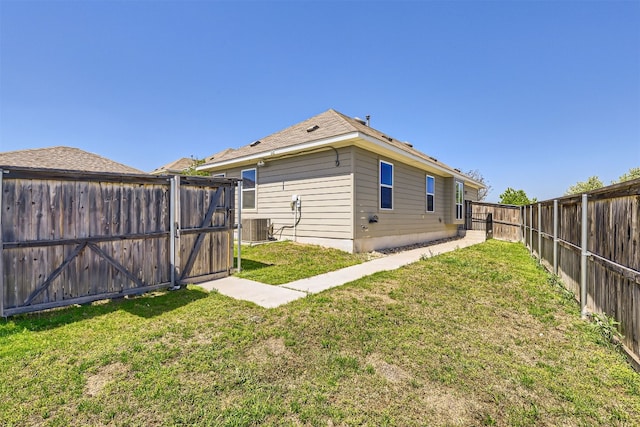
x,y
175,167
328,128
66,158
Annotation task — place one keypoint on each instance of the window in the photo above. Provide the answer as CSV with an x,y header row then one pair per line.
x,y
459,199
386,185
219,175
249,189
431,193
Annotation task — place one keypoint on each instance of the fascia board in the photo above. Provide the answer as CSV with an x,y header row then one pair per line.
x,y
418,160
280,151
381,145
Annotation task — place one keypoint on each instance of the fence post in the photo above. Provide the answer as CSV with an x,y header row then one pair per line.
x,y
239,268
172,230
522,224
555,237
174,237
583,260
524,228
1,249
531,228
540,233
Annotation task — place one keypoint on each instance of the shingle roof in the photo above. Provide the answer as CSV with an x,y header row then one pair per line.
x,y
66,158
329,124
177,166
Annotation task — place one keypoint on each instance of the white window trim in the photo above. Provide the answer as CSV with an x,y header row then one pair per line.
x,y
219,175
461,204
254,189
381,185
426,188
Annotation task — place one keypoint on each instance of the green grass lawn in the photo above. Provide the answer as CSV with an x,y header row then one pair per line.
x,y
478,336
283,262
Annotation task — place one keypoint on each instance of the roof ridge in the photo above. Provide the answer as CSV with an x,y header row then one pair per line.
x,y
64,157
35,149
344,117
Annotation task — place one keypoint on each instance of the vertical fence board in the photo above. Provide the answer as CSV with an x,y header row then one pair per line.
x,y
124,222
613,215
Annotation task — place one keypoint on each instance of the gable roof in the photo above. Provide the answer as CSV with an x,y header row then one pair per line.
x,y
177,166
65,158
327,126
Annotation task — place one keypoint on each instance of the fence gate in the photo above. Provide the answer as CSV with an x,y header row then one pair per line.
x,y
206,231
478,221
499,221
76,237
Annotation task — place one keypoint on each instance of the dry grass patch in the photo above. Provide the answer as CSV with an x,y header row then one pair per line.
x,y
105,375
388,371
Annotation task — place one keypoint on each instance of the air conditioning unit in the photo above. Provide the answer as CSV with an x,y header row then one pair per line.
x,y
255,229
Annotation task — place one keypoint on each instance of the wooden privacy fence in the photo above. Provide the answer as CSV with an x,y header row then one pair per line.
x,y
505,220
72,238
592,241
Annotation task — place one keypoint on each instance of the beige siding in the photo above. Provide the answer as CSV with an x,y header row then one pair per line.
x,y
325,191
470,193
334,214
409,216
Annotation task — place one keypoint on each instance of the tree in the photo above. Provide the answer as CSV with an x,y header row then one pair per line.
x,y
515,197
477,176
191,170
580,187
634,173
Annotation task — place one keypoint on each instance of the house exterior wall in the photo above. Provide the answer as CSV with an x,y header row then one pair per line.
x,y
408,222
338,202
324,189
471,194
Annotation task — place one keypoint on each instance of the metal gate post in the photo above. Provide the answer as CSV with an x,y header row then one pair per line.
x,y
531,228
239,226
523,220
539,233
583,260
555,237
172,230
174,238
1,249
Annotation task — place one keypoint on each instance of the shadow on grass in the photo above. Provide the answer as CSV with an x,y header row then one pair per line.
x,y
250,265
147,305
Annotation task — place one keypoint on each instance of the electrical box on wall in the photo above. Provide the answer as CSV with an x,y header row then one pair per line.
x,y
296,201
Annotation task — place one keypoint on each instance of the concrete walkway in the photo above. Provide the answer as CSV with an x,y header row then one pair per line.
x,y
270,296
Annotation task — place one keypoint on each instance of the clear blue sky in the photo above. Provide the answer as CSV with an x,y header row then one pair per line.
x,y
536,95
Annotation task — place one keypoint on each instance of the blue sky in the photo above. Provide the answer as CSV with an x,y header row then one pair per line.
x,y
536,95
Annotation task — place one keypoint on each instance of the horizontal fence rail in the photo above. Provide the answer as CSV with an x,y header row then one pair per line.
x,y
591,241
505,219
75,237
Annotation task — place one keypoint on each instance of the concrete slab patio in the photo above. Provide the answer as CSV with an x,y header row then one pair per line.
x,y
270,296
